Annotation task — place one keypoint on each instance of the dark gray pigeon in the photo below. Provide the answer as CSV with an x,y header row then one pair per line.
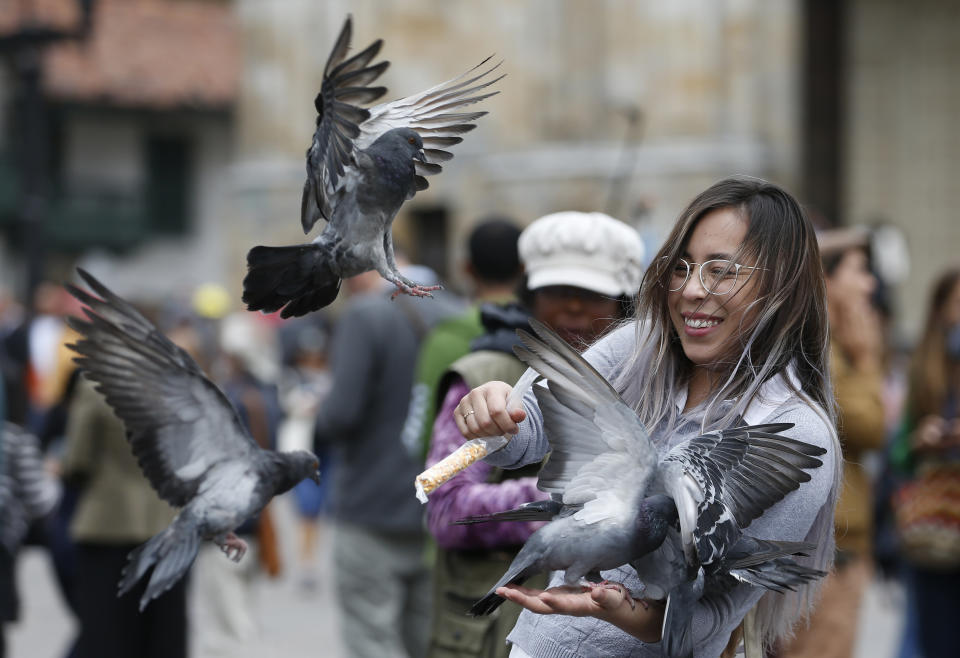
x,y
362,165
185,435
619,501
666,574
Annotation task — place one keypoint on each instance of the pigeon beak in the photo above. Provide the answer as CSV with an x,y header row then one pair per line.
x,y
421,156
316,477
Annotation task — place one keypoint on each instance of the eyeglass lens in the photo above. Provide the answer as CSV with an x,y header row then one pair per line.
x,y
718,277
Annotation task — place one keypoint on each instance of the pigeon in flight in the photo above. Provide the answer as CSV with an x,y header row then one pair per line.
x,y
362,165
185,435
619,502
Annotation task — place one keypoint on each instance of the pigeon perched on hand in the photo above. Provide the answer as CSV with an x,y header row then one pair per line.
x,y
619,501
185,435
666,574
362,166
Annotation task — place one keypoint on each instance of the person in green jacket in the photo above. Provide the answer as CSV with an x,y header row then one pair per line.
x,y
494,270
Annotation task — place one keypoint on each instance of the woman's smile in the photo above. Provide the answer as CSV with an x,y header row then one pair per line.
x,y
699,324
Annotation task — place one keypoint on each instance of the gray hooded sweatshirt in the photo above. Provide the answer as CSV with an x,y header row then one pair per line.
x,y
560,636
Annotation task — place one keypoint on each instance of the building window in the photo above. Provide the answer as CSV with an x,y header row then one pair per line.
x,y
169,176
429,228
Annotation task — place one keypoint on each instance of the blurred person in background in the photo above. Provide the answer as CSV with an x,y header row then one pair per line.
x,y
582,272
40,377
927,453
227,591
37,358
304,383
383,580
856,368
12,391
116,511
494,270
27,493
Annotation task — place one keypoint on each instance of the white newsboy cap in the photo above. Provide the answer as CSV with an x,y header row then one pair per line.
x,y
588,250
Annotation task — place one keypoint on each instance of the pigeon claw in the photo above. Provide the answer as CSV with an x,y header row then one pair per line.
x,y
414,290
619,587
233,544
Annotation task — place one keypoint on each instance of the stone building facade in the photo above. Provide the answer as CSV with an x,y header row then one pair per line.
x,y
627,106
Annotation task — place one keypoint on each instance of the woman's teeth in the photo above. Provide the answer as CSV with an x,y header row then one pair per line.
x,y
699,323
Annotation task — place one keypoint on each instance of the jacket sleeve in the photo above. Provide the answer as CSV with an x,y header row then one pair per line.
x,y
83,427
530,444
36,489
469,493
859,396
352,367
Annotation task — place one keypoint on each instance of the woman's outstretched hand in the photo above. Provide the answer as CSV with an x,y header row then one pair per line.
x,y
483,412
640,618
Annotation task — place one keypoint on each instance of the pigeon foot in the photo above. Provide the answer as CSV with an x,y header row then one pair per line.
x,y
415,290
620,587
233,543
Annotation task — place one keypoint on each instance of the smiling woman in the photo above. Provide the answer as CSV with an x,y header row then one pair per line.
x,y
731,329
710,310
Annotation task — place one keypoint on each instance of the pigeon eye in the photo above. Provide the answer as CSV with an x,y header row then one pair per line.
x,y
412,140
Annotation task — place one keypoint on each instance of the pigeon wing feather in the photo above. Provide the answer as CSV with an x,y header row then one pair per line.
x,y
433,113
579,406
332,153
722,481
178,422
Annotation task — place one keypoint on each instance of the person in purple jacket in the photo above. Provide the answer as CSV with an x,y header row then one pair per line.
x,y
582,272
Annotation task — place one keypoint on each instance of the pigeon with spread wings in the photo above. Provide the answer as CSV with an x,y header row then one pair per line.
x,y
621,502
186,437
362,165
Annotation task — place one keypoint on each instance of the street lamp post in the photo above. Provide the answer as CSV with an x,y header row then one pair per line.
x,y
24,48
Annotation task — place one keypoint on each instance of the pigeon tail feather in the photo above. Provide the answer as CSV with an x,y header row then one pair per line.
x,y
777,575
677,636
541,510
297,279
170,553
517,574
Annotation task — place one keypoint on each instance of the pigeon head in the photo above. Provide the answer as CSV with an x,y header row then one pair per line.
x,y
403,141
298,465
655,515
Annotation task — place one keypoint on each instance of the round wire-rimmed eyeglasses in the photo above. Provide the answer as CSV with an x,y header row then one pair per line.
x,y
717,276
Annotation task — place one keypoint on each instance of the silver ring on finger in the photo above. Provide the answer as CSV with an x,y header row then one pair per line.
x,y
468,413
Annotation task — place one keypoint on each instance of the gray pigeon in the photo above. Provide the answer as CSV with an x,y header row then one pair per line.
x,y
361,167
663,569
619,502
666,574
185,435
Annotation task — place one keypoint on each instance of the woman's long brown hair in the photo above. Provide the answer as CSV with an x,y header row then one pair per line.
x,y
928,370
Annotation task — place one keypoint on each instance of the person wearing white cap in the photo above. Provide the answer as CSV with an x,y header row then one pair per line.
x,y
582,272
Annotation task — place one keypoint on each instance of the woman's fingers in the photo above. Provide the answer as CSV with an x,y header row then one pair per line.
x,y
525,598
483,412
929,432
498,420
611,603
556,600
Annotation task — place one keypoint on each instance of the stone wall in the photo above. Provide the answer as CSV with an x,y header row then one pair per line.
x,y
715,84
903,140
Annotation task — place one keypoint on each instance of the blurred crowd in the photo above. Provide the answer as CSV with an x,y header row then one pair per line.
x,y
371,388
